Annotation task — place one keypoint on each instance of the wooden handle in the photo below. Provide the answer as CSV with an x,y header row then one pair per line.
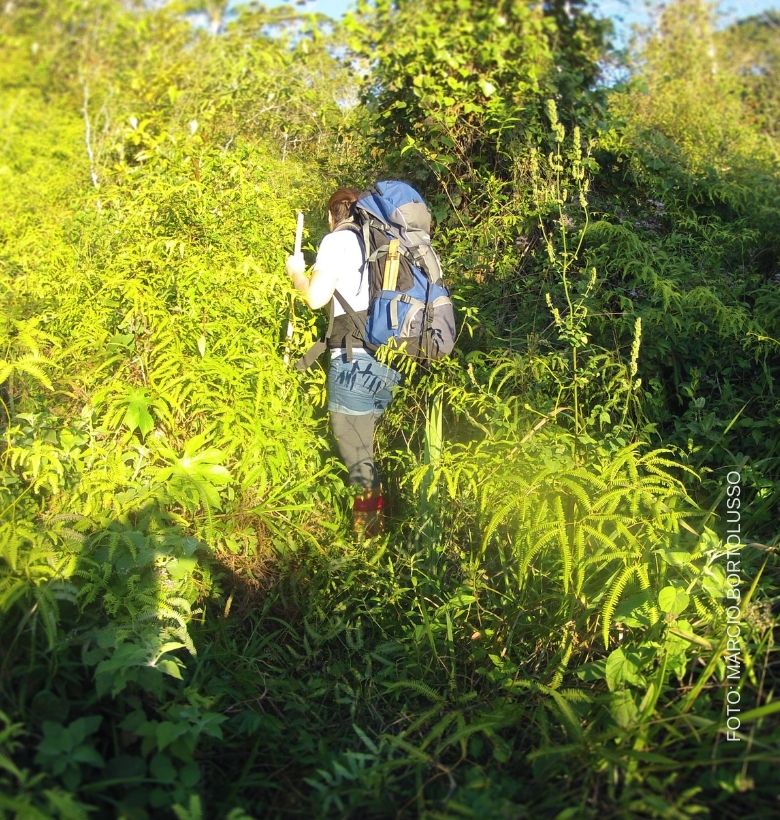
x,y
390,280
299,233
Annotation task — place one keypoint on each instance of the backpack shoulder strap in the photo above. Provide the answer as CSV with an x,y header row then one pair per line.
x,y
362,231
355,228
359,320
319,347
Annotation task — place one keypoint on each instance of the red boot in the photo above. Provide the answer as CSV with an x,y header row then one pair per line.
x,y
367,514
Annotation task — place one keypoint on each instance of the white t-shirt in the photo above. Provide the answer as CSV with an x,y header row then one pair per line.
x,y
340,259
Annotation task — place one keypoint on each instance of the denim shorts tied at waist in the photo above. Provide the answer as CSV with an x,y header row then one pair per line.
x,y
363,385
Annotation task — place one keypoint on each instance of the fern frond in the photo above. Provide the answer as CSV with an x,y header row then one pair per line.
x,y
534,550
605,558
625,457
588,477
579,546
609,543
424,717
621,528
612,599
542,514
610,499
711,611
644,584
418,686
577,490
439,728
32,367
562,709
563,543
498,518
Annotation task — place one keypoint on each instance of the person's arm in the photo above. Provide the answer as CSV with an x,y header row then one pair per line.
x,y
318,290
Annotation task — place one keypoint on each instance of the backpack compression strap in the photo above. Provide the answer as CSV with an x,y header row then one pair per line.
x,y
317,349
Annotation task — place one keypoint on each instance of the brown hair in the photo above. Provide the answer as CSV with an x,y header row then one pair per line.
x,y
340,204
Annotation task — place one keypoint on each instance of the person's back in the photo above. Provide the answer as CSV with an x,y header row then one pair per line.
x,y
359,387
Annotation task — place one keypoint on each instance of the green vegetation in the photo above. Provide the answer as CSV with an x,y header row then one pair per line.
x,y
557,622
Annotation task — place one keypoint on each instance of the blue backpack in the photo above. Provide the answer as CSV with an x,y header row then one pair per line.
x,y
409,306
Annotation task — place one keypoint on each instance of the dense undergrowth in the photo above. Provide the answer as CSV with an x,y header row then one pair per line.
x,y
557,623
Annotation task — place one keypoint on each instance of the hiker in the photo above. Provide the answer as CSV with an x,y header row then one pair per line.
x,y
359,387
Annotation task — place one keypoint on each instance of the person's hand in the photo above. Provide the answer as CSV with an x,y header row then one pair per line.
x,y
295,265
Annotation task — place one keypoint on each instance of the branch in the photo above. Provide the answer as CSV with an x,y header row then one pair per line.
x,y
88,140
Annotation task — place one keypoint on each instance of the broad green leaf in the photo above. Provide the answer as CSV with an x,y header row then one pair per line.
x,y
621,669
162,769
623,708
137,415
86,754
461,599
121,341
487,88
170,667
673,600
181,567
85,726
189,776
714,581
675,558
168,732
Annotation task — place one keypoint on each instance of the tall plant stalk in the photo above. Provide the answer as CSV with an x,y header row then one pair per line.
x,y
565,175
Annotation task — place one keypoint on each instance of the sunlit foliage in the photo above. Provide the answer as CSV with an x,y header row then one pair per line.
x,y
188,627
